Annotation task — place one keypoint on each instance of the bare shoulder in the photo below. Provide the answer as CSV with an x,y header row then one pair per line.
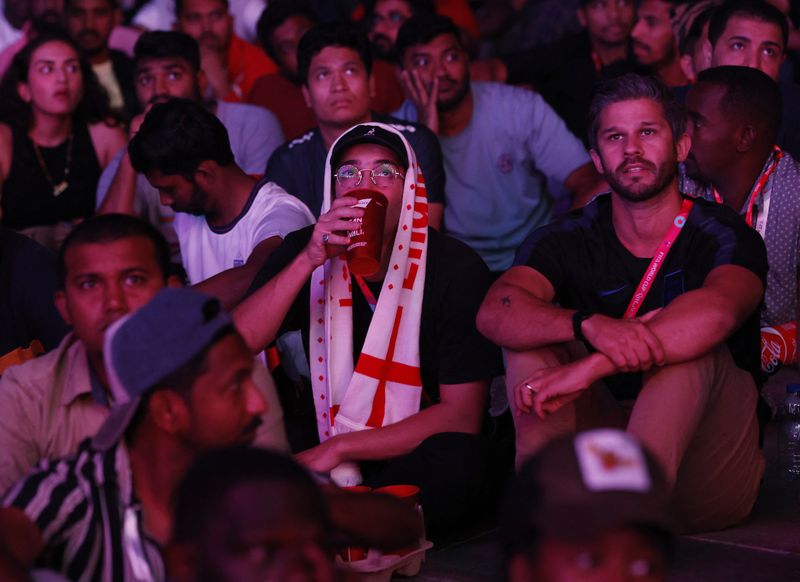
x,y
108,138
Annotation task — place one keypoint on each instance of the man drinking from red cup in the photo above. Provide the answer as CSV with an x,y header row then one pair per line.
x,y
398,372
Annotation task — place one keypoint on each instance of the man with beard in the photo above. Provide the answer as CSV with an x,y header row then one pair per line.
x,y
167,65
654,43
646,297
89,23
497,141
231,63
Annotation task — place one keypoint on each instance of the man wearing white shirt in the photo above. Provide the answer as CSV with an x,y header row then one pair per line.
x,y
227,222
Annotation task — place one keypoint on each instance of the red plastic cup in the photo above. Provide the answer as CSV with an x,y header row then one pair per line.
x,y
409,493
366,240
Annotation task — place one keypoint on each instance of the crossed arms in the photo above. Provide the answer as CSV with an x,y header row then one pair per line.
x,y
518,314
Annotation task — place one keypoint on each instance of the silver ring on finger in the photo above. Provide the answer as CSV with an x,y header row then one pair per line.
x,y
325,237
530,388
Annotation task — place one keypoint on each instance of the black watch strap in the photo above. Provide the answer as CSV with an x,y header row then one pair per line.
x,y
577,319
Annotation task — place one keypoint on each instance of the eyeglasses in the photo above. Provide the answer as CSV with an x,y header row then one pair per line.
x,y
382,175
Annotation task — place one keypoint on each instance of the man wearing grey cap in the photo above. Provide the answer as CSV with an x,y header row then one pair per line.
x,y
181,377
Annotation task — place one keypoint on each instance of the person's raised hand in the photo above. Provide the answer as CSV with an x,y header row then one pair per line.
x,y
422,98
330,238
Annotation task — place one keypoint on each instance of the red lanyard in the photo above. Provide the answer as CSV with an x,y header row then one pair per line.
x,y
658,259
368,294
762,181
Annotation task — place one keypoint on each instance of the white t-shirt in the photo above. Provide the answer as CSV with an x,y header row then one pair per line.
x,y
254,133
269,212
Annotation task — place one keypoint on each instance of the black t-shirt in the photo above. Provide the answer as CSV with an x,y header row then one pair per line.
x,y
452,351
590,269
27,283
298,166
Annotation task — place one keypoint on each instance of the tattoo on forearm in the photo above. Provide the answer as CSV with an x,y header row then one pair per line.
x,y
506,300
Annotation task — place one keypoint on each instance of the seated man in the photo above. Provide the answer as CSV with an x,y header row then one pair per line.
x,y
500,144
335,66
29,321
167,64
89,23
108,266
734,116
228,223
754,33
280,28
664,290
408,404
593,506
231,64
182,381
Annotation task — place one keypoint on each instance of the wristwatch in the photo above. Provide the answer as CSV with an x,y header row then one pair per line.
x,y
577,319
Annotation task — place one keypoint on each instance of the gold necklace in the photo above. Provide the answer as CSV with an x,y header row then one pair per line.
x,y
59,188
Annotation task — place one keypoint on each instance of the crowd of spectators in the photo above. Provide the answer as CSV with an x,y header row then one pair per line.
x,y
594,204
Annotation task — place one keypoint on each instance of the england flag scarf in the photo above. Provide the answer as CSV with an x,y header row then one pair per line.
x,y
384,386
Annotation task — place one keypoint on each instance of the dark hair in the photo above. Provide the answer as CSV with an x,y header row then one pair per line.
x,y
750,95
205,485
93,108
106,228
422,29
274,15
337,34
628,88
750,9
176,137
179,6
163,44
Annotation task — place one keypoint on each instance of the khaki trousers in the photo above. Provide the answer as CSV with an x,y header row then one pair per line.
x,y
698,419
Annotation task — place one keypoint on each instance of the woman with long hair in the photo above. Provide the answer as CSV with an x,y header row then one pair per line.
x,y
56,136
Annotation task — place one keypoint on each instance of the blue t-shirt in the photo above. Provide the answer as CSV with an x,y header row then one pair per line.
x,y
500,168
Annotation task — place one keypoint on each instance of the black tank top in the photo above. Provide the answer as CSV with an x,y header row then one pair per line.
x,y
27,196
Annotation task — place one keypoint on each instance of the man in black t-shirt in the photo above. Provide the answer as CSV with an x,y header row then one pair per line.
x,y
662,290
334,63
395,356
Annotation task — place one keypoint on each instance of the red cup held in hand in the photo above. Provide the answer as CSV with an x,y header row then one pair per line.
x,y
366,239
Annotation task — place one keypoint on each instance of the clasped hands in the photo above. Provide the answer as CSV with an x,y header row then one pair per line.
x,y
622,345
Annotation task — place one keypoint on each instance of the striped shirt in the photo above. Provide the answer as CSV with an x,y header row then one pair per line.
x,y
89,518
